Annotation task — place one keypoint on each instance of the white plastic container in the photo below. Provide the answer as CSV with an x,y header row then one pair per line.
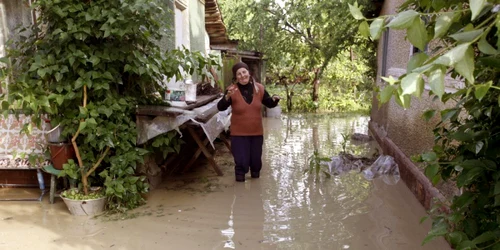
x,y
190,90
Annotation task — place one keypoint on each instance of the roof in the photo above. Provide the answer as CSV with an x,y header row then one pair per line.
x,y
215,25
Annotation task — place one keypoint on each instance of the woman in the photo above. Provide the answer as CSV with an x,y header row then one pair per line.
x,y
246,98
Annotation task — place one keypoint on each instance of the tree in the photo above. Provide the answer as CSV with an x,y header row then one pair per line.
x,y
464,38
295,34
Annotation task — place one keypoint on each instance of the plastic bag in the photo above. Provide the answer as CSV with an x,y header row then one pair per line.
x,y
386,167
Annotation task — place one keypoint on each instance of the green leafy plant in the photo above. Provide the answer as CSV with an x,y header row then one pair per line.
x,y
343,143
316,166
87,65
463,39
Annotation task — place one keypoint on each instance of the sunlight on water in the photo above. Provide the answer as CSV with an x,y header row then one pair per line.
x,y
302,204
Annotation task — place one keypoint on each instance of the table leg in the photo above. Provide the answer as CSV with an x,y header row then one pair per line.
x,y
52,188
225,141
205,150
195,156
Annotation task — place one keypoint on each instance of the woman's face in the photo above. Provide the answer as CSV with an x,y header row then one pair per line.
x,y
243,76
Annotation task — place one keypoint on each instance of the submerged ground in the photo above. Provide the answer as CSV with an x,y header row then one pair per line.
x,y
284,209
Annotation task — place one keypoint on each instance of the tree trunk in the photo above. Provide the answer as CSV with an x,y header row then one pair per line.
x,y
289,106
315,94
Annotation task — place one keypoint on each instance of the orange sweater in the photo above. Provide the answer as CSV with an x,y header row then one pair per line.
x,y
246,119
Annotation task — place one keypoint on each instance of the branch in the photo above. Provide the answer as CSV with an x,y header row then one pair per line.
x,y
73,140
98,162
296,30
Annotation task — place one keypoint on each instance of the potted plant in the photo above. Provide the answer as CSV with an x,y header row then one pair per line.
x,y
90,81
78,202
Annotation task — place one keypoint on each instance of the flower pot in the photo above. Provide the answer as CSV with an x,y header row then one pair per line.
x,y
60,153
85,207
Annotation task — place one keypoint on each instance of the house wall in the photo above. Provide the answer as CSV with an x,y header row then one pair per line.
x,y
12,14
403,133
405,128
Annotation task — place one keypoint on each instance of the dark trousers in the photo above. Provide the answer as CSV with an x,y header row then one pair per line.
x,y
247,153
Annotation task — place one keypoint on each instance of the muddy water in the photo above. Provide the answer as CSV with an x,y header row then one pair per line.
x,y
284,209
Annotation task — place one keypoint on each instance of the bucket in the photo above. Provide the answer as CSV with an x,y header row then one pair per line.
x,y
273,112
85,207
54,135
61,153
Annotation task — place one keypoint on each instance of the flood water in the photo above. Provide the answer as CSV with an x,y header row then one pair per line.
x,y
284,209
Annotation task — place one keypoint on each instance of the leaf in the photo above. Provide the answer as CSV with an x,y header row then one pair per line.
x,y
423,219
94,60
465,67
486,48
431,170
466,177
443,23
403,20
356,12
386,94
412,84
429,114
466,245
479,146
82,126
364,29
416,61
376,28
485,237
456,237
108,75
467,36
482,90
476,6
447,114
417,34
58,76
438,229
391,80
463,201
453,56
429,156
436,82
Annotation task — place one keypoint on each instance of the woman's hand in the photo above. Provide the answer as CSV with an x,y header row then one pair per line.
x,y
230,91
276,98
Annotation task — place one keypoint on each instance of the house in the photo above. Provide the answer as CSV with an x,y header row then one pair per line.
x,y
197,26
404,133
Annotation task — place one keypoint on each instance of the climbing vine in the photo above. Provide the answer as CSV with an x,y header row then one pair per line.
x,y
458,39
86,65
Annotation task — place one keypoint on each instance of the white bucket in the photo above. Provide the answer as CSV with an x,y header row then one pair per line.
x,y
274,112
85,207
54,135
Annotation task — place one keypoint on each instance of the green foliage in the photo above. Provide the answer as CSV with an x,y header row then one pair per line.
x,y
70,170
468,137
87,64
298,38
315,165
165,143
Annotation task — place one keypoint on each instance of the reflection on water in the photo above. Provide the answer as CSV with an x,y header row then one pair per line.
x,y
301,206
302,212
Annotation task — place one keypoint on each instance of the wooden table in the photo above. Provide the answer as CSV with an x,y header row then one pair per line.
x,y
200,138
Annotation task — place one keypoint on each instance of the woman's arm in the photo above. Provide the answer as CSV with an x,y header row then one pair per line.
x,y
224,103
270,101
